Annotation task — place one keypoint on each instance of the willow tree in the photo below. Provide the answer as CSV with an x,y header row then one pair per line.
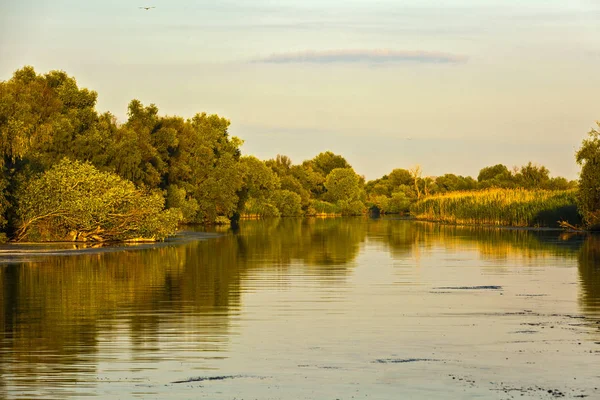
x,y
73,201
588,156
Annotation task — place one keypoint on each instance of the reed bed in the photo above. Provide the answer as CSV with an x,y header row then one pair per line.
x,y
501,207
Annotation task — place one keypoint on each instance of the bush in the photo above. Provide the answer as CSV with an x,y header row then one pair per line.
x,y
318,207
260,208
355,207
73,201
398,204
288,203
222,220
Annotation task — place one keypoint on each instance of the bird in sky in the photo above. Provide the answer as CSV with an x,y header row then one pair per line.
x,y
147,8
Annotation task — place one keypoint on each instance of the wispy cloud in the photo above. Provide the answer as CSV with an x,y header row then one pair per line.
x,y
362,56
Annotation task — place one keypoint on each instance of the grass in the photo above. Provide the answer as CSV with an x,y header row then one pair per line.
x,y
501,207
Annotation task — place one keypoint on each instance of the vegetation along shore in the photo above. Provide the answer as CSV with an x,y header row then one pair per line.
x,y
69,173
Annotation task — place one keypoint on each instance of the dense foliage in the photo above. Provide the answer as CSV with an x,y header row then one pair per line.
x,y
74,201
588,157
195,168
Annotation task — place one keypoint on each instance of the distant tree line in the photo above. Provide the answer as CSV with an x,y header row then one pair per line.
x,y
395,191
68,172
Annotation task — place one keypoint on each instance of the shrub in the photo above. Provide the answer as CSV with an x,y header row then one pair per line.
x,y
319,207
260,208
74,201
288,203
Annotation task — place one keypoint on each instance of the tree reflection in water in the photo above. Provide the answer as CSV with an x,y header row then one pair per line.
x,y
68,306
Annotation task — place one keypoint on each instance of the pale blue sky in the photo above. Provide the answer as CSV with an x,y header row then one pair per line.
x,y
469,82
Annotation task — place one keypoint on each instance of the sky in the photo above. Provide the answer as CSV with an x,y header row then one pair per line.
x,y
453,85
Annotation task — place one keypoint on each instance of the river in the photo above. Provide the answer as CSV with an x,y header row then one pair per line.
x,y
346,308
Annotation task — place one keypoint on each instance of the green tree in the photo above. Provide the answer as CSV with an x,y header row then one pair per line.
x,y
399,177
326,162
4,204
355,207
451,183
310,180
177,198
399,203
259,183
532,176
288,203
300,179
280,165
75,201
588,157
495,176
560,183
205,162
41,116
342,184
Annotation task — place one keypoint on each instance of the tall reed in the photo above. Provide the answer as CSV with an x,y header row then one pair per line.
x,y
502,207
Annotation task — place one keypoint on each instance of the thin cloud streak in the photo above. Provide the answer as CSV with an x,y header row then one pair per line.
x,y
362,56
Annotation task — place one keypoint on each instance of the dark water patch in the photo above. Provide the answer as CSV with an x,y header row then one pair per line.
x,y
569,316
489,287
528,332
402,360
209,378
318,366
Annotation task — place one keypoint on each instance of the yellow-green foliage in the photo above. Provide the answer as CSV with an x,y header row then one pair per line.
x,y
507,207
73,201
318,207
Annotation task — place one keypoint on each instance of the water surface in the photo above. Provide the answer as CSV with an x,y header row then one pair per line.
x,y
306,309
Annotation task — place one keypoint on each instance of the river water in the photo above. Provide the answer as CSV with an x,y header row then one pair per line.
x,y
347,308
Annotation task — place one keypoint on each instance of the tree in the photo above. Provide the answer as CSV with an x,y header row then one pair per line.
x,y
342,184
327,162
560,183
205,162
280,165
177,198
311,180
498,172
398,203
415,173
259,182
399,177
75,201
41,116
588,156
4,204
532,176
288,203
451,183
